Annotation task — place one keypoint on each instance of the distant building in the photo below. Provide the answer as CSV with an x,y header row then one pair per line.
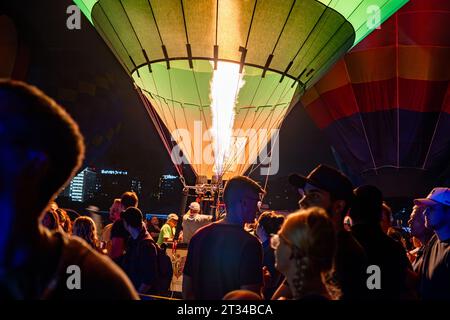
x,y
82,187
112,183
136,186
100,186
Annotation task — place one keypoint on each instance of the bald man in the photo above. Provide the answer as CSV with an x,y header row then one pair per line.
x,y
222,257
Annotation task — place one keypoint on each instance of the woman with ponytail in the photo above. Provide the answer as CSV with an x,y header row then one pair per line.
x,y
304,250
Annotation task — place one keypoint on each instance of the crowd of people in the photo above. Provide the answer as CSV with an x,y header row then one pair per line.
x,y
340,244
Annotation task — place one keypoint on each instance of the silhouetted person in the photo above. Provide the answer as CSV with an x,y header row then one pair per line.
x,y
269,223
222,257
386,217
421,233
382,251
41,148
120,236
242,295
399,235
114,215
153,227
329,189
304,251
85,228
194,220
50,220
140,261
64,220
434,271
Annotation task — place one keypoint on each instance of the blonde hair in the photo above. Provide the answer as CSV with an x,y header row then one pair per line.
x,y
64,220
313,244
84,227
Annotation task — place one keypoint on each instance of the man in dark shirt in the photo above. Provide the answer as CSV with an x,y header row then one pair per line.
x,y
140,260
419,231
41,149
327,188
119,236
222,257
381,250
434,271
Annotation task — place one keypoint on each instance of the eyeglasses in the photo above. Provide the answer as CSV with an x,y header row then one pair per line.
x,y
275,240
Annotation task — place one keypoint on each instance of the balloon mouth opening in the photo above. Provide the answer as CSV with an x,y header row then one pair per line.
x,y
228,112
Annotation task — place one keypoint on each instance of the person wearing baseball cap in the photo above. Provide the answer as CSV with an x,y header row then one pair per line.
x,y
222,256
437,197
193,220
421,235
194,208
434,271
329,189
381,250
168,229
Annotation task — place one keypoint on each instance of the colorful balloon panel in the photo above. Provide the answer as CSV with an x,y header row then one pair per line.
x,y
386,103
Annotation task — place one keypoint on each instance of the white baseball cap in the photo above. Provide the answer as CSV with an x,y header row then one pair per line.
x,y
194,206
436,196
172,216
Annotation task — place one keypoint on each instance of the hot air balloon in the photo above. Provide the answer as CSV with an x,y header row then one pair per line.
x,y
386,105
216,73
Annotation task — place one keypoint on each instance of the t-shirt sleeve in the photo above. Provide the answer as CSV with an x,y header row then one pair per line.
x,y
251,263
118,230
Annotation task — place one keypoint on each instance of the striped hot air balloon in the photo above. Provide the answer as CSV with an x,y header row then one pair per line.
x,y
386,105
